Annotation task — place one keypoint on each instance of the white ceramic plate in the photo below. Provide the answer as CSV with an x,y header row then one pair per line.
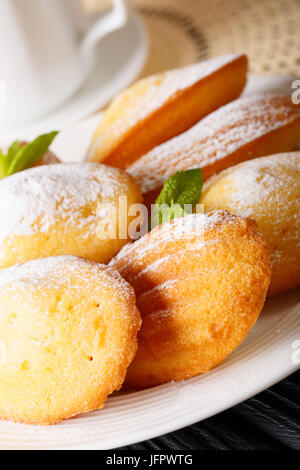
x,y
121,57
270,353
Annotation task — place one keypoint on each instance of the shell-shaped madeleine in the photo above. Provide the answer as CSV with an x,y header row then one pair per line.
x,y
200,283
247,128
162,106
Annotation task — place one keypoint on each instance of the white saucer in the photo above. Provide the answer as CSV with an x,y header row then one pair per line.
x,y
121,58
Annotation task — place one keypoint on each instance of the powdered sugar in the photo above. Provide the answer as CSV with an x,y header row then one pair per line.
x,y
214,138
188,250
155,92
33,200
62,272
256,181
267,190
188,228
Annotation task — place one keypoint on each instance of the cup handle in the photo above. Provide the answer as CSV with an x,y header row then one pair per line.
x,y
116,19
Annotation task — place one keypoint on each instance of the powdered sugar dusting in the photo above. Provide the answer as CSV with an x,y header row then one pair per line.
x,y
156,91
159,262
256,181
188,228
215,137
63,272
33,200
153,267
256,185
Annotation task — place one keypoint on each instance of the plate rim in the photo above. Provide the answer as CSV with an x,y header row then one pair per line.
x,y
188,421
185,419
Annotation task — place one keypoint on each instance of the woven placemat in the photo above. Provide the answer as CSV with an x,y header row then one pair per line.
x,y
185,31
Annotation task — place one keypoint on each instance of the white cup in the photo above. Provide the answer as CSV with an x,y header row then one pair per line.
x,y
44,54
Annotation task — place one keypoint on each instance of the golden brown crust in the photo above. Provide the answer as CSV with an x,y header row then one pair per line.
x,y
199,293
267,190
53,210
160,107
69,331
247,128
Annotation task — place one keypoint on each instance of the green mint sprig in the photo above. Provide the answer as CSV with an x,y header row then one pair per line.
x,y
19,158
182,189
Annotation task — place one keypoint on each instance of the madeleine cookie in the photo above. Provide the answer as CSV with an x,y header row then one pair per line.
x,y
49,158
267,190
247,128
162,106
68,331
54,210
200,283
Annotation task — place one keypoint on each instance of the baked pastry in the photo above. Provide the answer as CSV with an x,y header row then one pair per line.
x,y
49,158
68,331
200,283
267,190
247,128
55,210
162,106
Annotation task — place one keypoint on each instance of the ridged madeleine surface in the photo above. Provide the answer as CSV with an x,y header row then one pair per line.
x,y
267,190
56,210
162,106
247,128
68,331
200,283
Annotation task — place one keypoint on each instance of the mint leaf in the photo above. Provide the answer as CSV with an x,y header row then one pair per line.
x,y
2,163
31,153
164,213
13,149
20,158
5,160
182,189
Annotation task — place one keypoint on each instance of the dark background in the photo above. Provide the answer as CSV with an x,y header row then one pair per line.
x,y
268,421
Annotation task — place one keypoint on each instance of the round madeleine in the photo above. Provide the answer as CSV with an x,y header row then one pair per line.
x,y
267,190
57,210
200,283
68,331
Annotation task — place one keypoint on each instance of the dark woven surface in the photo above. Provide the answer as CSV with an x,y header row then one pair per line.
x,y
269,421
